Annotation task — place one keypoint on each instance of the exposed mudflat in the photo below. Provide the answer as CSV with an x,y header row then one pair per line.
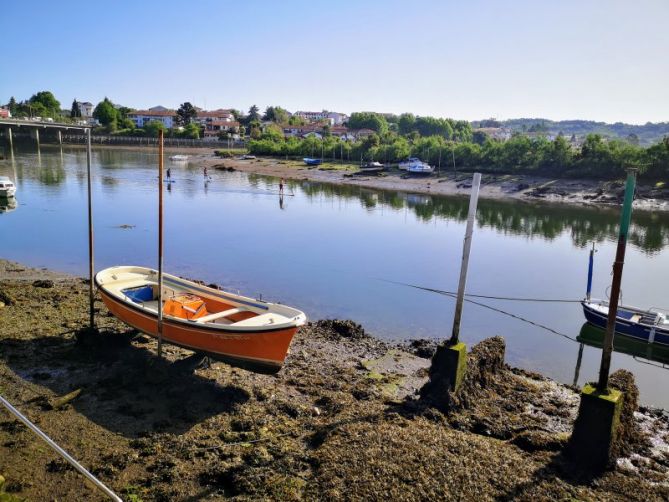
x,y
341,420
516,187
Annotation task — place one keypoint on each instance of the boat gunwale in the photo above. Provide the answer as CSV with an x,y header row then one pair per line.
x,y
292,323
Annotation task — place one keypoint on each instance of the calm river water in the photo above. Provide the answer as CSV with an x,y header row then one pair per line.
x,y
331,251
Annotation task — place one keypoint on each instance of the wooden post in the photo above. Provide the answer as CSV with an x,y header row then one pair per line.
x,y
160,243
91,289
60,138
626,217
9,136
473,202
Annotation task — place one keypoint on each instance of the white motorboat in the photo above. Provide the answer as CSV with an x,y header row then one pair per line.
x,y
7,187
179,158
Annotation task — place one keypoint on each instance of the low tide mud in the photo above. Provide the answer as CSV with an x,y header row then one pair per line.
x,y
342,420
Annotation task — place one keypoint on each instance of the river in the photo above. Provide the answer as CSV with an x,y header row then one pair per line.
x,y
339,251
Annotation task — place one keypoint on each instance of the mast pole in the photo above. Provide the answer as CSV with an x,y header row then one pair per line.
x,y
91,268
160,242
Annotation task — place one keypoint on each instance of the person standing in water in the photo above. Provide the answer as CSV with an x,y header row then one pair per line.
x,y
281,187
206,176
169,174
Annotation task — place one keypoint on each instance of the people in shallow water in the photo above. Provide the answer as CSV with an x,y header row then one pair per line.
x,y
281,187
205,172
169,174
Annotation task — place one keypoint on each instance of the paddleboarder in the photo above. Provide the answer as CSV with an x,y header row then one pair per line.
x,y
169,174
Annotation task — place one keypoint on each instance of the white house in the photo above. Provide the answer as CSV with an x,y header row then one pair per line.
x,y
85,108
157,113
334,118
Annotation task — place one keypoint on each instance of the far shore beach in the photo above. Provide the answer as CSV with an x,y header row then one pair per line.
x,y
519,187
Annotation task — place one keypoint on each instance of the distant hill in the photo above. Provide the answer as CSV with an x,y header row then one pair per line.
x,y
647,134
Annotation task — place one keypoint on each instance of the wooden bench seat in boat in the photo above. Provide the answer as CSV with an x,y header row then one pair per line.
x,y
218,315
262,320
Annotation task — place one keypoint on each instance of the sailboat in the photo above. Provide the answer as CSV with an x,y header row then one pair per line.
x,y
650,325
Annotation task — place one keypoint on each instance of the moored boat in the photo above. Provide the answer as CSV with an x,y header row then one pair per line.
x,y
179,158
372,167
420,167
7,187
232,328
648,325
312,162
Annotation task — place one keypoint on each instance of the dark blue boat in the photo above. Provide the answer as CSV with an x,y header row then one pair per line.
x,y
312,162
647,325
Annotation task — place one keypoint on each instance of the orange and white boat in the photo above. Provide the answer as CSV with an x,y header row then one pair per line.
x,y
241,331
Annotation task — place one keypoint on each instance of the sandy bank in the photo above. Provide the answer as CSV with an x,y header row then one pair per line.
x,y
341,419
515,187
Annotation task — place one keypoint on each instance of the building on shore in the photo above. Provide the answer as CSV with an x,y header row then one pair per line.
x,y
333,118
85,109
157,113
5,113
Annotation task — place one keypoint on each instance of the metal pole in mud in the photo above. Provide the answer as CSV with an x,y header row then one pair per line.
x,y
160,243
625,219
59,450
473,202
91,258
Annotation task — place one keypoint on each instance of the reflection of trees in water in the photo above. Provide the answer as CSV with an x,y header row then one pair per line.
x,y
649,231
51,175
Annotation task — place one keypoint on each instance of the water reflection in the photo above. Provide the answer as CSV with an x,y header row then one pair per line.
x,y
7,204
649,231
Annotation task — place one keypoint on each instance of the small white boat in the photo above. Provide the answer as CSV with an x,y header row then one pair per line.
x,y
419,167
406,163
7,187
179,158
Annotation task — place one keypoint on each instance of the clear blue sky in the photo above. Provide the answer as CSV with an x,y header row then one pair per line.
x,y
587,59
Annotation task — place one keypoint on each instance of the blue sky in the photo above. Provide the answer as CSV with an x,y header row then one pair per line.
x,y
587,59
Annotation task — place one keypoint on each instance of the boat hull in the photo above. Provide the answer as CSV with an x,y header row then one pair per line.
x,y
258,347
626,327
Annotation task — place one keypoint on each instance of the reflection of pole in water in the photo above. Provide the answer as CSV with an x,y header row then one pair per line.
x,y
577,370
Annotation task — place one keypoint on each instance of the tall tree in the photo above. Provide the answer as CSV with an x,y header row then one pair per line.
x,y
276,114
75,111
254,115
44,103
185,114
12,105
107,114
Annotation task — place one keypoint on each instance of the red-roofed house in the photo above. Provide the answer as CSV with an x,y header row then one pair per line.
x,y
157,113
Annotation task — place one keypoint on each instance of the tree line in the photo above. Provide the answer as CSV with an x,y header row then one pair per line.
x,y
594,158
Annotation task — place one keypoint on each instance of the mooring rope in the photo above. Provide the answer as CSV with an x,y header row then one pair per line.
x,y
495,309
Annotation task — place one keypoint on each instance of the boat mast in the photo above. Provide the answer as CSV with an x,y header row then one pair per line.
x,y
590,268
160,243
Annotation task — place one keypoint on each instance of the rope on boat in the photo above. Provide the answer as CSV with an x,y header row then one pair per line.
x,y
495,309
102,487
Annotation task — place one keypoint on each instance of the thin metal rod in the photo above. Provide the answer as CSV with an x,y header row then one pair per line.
x,y
591,262
466,248
91,258
160,242
59,450
626,217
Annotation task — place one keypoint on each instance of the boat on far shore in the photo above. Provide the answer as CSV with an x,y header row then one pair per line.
x,y
312,162
414,165
7,187
372,167
179,158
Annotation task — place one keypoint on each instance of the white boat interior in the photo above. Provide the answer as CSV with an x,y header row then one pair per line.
x,y
649,317
188,301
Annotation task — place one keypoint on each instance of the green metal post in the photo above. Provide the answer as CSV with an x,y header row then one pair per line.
x,y
603,383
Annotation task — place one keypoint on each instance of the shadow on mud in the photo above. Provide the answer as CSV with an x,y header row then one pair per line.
x,y
124,388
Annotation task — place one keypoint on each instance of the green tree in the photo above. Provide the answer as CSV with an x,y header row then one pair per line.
x,y
368,120
191,131
253,116
153,127
276,114
407,123
185,114
12,106
75,111
45,103
107,114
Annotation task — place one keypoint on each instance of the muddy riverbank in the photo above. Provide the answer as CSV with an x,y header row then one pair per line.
x,y
341,420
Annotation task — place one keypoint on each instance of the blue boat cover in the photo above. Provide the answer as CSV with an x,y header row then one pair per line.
x,y
139,294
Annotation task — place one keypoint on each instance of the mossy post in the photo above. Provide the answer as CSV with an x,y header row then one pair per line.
x,y
596,426
452,357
